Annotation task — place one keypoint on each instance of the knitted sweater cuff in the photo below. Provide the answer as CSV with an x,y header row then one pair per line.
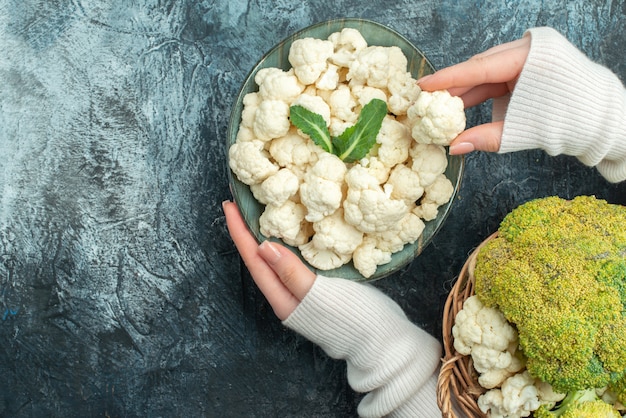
x,y
386,354
564,103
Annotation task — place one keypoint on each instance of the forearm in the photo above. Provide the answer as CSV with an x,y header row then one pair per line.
x,y
386,354
564,103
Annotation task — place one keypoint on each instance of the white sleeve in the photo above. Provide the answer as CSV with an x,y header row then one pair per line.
x,y
564,103
386,354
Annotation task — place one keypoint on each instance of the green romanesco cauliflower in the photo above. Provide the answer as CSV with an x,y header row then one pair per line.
x,y
557,271
580,404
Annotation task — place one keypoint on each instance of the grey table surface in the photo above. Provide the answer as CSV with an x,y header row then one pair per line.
x,y
121,293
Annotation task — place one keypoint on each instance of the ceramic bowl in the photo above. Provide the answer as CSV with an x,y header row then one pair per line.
x,y
375,34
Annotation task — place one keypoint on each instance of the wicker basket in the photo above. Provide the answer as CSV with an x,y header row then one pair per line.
x,y
458,381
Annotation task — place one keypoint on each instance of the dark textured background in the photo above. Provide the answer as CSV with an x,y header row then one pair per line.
x,y
120,292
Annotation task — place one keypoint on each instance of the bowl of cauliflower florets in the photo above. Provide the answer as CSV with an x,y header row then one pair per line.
x,y
336,152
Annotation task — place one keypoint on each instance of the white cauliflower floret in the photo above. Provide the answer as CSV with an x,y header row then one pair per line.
x,y
271,120
323,259
308,57
409,229
304,236
477,324
547,395
367,206
343,104
375,65
429,161
251,102
405,184
321,192
285,221
485,334
467,332
347,44
376,168
329,78
367,257
491,402
294,151
338,126
365,94
436,194
245,134
334,233
439,192
277,188
436,117
250,162
315,104
496,366
426,211
276,84
394,140
310,90
516,398
325,94
404,91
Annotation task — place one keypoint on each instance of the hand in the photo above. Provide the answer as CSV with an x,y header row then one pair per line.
x,y
281,276
487,75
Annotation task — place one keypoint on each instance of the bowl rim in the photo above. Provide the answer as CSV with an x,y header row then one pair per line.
x,y
410,251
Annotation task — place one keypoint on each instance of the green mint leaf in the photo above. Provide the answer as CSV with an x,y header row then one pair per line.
x,y
356,141
342,142
313,125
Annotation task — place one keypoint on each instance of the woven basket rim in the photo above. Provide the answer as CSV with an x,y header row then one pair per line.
x,y
457,384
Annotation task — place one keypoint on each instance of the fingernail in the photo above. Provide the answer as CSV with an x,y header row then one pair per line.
x,y
224,203
424,78
269,252
462,148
